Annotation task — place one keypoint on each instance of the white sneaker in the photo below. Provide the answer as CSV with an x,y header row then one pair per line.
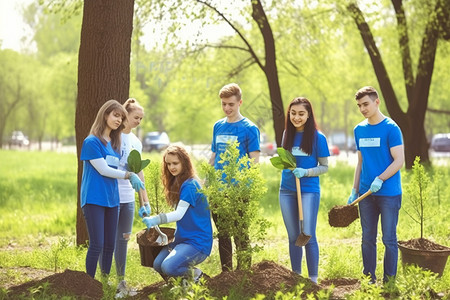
x,y
124,290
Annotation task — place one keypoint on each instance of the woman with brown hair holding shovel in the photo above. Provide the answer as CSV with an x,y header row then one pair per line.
x,y
299,188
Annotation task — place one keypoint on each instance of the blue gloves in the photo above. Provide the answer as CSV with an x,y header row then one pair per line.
x,y
352,197
151,221
299,172
376,185
136,183
145,210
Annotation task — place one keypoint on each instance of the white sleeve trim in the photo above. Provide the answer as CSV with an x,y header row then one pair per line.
x,y
177,214
102,167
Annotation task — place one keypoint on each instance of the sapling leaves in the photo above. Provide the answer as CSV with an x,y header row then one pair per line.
x,y
135,164
284,160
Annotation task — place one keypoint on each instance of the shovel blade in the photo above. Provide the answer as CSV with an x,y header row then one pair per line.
x,y
302,240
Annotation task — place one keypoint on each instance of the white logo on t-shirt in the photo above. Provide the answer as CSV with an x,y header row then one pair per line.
x,y
369,142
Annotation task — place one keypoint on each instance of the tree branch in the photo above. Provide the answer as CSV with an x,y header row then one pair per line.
x,y
438,111
250,49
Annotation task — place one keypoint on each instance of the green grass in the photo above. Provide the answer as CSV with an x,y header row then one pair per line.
x,y
38,200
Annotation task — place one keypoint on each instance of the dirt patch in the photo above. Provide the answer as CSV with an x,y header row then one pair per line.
x,y
423,244
342,286
68,283
342,215
265,278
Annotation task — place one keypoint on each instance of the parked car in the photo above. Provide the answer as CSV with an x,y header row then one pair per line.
x,y
441,142
155,140
267,147
334,149
18,139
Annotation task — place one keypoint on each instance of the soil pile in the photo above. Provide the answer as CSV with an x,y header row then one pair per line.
x,y
148,237
264,278
342,215
423,244
68,283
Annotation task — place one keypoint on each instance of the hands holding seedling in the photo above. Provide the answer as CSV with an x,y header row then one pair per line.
x,y
145,210
299,172
136,183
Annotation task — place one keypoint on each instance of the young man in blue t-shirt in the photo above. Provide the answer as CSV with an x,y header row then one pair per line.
x,y
234,127
379,145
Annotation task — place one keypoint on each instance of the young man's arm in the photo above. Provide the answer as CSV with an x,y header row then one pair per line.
x,y
254,155
356,179
398,154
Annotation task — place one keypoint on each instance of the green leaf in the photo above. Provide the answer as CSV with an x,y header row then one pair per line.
x,y
144,163
286,158
134,161
277,162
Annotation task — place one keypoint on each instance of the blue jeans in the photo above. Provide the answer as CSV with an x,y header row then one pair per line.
x,y
177,261
124,228
101,224
370,210
289,210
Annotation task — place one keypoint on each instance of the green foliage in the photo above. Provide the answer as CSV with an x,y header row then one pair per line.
x,y
155,188
135,164
418,193
284,160
234,193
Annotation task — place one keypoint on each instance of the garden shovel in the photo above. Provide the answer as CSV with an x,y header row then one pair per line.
x,y
162,238
303,238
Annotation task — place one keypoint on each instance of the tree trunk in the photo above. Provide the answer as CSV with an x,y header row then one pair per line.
x,y
270,70
103,71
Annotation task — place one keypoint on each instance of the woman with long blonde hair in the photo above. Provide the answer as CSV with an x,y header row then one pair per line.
x,y
99,189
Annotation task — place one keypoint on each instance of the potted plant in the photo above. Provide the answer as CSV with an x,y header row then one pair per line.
x,y
421,251
147,239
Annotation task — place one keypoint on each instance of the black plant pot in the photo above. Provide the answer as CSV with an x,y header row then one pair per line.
x,y
433,260
148,248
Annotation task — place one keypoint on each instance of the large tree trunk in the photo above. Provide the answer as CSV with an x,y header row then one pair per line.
x,y
412,123
103,70
270,70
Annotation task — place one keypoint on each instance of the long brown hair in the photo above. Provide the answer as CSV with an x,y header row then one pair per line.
x,y
100,123
310,129
172,184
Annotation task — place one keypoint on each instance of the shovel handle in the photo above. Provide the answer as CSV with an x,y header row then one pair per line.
x,y
141,199
361,197
299,199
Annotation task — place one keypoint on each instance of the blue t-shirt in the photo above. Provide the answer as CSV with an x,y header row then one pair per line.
x,y
305,161
95,188
375,143
195,227
243,131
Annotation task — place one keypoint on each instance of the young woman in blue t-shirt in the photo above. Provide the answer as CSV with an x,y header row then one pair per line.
x,y
309,146
193,236
99,194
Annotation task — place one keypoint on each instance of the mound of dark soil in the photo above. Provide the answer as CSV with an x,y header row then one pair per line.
x,y
423,244
342,215
68,283
265,278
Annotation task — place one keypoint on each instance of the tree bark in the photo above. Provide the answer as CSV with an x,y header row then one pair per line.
x,y
270,70
103,71
412,123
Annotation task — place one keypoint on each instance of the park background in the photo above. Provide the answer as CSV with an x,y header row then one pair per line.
x,y
180,54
